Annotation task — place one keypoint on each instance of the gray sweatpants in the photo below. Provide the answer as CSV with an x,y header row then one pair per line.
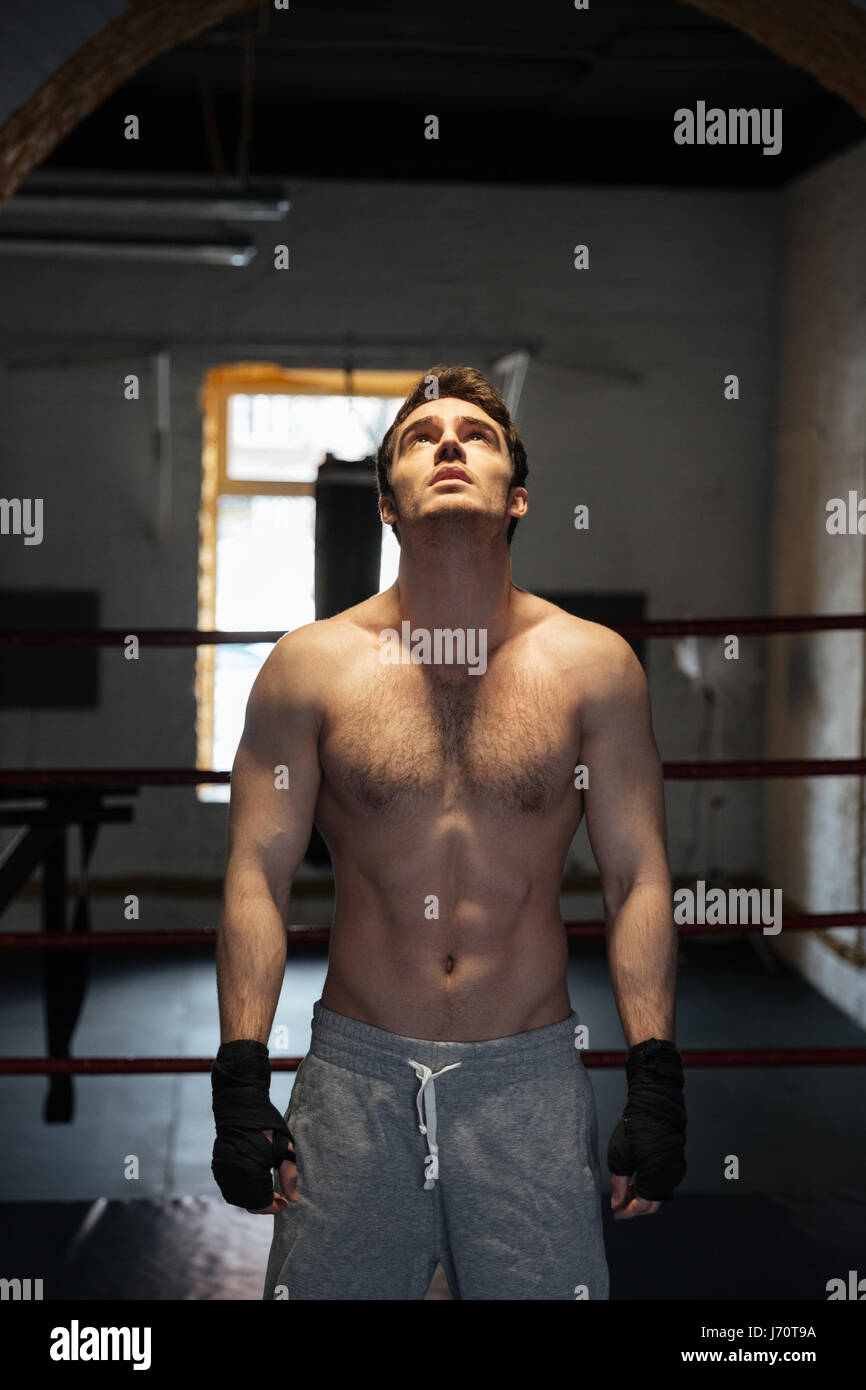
x,y
482,1156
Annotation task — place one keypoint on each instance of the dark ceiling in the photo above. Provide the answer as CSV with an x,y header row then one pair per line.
x,y
526,91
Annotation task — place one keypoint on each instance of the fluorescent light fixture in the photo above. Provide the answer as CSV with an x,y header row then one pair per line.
x,y
176,252
186,197
135,207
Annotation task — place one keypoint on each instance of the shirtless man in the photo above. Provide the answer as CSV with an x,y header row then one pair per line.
x,y
443,1112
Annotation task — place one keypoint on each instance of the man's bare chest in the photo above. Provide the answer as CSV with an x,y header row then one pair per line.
x,y
399,741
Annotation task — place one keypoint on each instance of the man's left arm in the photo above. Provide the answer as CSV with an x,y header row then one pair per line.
x,y
624,804
625,820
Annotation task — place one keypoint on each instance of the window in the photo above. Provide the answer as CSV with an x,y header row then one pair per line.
x,y
266,432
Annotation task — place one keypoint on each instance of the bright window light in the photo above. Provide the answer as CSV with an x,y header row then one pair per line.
x,y
278,438
265,544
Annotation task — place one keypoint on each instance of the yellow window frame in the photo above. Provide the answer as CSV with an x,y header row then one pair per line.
x,y
253,378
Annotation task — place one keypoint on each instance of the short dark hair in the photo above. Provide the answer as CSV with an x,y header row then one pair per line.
x,y
464,384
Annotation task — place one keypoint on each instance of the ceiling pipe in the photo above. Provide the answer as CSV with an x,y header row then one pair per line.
x,y
163,252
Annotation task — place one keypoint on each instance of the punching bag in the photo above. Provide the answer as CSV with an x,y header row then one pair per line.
x,y
348,535
348,556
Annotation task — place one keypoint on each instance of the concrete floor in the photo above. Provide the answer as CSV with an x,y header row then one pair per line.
x,y
797,1211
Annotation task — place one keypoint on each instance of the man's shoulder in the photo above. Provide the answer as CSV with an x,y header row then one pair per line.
x,y
308,653
595,651
577,634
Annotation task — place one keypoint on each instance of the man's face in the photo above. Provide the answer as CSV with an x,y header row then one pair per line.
x,y
451,461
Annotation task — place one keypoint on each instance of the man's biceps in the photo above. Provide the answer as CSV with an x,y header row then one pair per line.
x,y
303,778
293,765
603,826
607,775
607,830
618,817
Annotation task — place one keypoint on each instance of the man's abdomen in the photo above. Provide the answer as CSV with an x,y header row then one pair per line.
x,y
490,976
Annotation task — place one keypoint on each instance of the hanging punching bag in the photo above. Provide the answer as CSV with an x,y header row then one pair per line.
x,y
348,534
348,556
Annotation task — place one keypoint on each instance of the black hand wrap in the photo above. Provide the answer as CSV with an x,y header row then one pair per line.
x,y
650,1139
242,1155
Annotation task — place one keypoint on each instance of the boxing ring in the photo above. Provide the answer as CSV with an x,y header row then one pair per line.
x,y
45,803
63,797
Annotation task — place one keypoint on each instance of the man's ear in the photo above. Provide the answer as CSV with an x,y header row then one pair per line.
x,y
520,496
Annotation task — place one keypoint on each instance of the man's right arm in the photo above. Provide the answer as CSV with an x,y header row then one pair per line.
x,y
275,784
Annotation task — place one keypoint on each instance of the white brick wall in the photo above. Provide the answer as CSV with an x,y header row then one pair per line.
x,y
623,409
816,683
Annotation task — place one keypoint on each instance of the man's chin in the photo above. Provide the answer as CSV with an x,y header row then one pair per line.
x,y
447,525
454,512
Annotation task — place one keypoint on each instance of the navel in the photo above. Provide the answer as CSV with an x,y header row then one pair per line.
x,y
449,964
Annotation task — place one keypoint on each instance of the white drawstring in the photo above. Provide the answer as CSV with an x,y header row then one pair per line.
x,y
427,1117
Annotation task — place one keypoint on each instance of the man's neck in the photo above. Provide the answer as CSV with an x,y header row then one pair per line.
x,y
457,586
